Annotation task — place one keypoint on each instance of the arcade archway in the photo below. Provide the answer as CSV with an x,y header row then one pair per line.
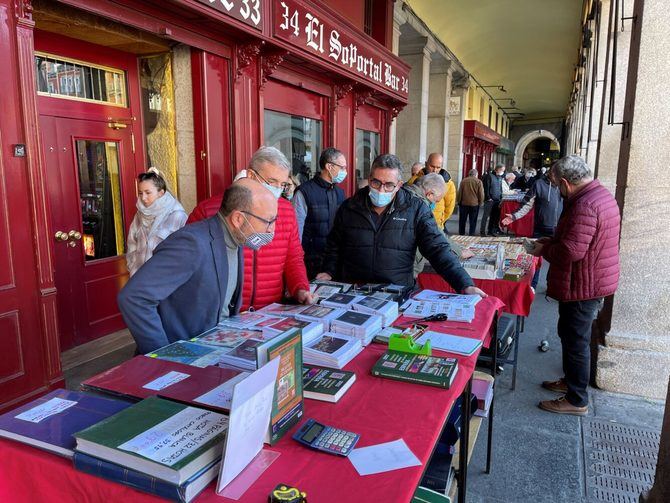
x,y
529,138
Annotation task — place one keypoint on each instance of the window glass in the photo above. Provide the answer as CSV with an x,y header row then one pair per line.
x,y
299,138
367,148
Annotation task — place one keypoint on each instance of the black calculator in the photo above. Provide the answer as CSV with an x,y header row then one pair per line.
x,y
326,438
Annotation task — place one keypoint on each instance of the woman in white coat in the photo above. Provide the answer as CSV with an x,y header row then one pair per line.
x,y
158,215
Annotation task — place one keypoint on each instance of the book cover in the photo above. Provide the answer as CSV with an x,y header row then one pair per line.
x,y
372,303
226,337
329,344
288,324
188,352
282,309
246,350
137,480
142,377
161,438
320,383
354,318
287,404
421,369
50,421
316,311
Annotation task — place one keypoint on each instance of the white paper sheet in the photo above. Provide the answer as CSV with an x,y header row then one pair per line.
x,y
451,298
222,395
383,457
48,408
166,380
249,421
452,343
178,436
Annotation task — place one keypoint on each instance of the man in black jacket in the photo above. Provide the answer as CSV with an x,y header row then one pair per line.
x,y
492,197
377,231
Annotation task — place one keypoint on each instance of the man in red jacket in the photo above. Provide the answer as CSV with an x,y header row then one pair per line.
x,y
584,267
278,266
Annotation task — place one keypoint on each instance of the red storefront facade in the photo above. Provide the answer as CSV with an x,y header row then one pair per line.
x,y
75,112
479,144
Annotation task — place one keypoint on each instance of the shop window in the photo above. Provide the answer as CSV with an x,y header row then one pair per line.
x,y
100,197
72,79
367,148
299,138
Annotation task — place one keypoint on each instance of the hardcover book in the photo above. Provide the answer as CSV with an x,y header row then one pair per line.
x,y
287,404
190,353
50,421
340,300
310,330
420,369
244,356
226,337
142,377
320,383
321,314
137,480
157,437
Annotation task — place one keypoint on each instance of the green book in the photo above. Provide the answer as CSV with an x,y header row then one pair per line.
x,y
287,405
160,438
321,383
421,369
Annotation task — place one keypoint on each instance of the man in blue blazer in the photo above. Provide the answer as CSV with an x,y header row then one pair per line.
x,y
194,277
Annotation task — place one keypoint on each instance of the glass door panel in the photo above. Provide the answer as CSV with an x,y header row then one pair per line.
x,y
367,148
299,138
100,198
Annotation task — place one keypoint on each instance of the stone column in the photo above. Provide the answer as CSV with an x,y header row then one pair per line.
x,y
607,157
457,109
438,108
399,18
636,358
412,123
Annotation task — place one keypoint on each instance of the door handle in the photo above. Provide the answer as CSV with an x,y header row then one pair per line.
x,y
74,235
61,236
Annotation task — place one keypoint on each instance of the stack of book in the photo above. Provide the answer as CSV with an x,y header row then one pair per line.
x,y
359,325
332,350
326,288
225,337
320,314
325,384
341,300
387,309
310,329
156,445
243,356
247,320
190,353
420,369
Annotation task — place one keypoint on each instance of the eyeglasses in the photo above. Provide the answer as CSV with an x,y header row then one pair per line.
x,y
273,183
377,184
268,223
338,165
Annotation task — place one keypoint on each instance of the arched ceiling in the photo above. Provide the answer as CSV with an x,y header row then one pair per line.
x,y
528,46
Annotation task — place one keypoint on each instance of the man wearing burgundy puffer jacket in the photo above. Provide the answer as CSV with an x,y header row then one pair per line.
x,y
278,266
584,267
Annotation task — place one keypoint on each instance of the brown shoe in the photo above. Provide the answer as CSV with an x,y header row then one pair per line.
x,y
558,386
562,406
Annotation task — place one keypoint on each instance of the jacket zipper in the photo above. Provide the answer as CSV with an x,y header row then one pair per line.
x,y
253,280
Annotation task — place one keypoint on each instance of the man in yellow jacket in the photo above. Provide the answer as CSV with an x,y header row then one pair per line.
x,y
445,207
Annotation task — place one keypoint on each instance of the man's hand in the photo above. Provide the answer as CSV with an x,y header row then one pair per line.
x,y
537,251
304,297
324,276
507,220
473,290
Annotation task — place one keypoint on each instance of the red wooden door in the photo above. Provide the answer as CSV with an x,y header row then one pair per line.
x,y
92,194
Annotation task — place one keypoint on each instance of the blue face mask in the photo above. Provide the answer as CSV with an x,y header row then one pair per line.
x,y
432,205
341,175
276,191
381,199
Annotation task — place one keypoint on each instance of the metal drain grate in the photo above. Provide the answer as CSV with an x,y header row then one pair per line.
x,y
620,460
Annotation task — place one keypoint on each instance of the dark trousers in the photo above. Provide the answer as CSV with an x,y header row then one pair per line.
x,y
467,214
574,329
490,218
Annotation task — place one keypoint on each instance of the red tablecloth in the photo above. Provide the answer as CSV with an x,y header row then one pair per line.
x,y
523,226
516,295
380,410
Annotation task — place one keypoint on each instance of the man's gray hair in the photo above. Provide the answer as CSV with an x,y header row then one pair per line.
x,y
499,165
432,182
510,176
473,172
270,155
573,168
